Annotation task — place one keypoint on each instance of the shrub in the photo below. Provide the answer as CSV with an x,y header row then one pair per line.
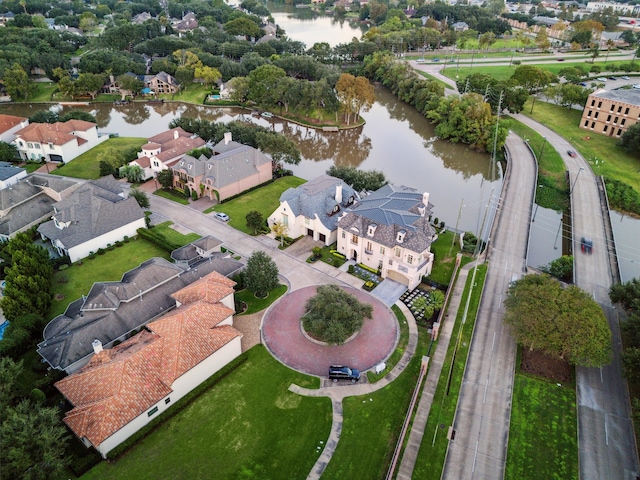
x,y
101,251
317,252
351,269
38,396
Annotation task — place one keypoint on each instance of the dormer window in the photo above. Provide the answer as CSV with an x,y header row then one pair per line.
x,y
336,209
371,229
190,167
351,200
400,236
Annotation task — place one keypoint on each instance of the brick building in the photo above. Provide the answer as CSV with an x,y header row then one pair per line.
x,y
611,112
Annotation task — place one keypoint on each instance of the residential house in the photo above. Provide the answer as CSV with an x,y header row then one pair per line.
x,y
10,174
314,208
140,18
94,216
389,231
113,311
124,388
204,247
231,170
58,142
460,26
611,112
187,24
160,83
30,201
6,17
9,125
164,150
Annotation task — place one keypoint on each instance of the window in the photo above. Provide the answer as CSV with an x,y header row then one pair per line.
x,y
586,123
344,235
371,229
589,113
51,146
599,104
612,108
369,247
615,120
609,118
37,145
381,250
624,120
354,238
597,113
306,221
336,209
626,111
619,108
619,131
410,259
167,400
593,102
606,127
398,252
29,145
152,411
285,220
593,124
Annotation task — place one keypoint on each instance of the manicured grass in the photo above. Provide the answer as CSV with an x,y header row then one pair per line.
x,y
264,200
247,426
194,93
372,424
395,357
445,258
434,79
173,236
328,257
552,189
543,441
75,281
42,92
434,443
255,304
87,165
172,195
601,151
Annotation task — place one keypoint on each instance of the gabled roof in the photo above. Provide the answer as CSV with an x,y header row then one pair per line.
x,y
195,251
318,197
392,210
58,133
7,122
92,210
213,288
8,170
107,313
233,162
121,383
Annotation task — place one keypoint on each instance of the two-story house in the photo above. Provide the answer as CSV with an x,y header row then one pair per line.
x,y
314,208
57,142
389,230
9,125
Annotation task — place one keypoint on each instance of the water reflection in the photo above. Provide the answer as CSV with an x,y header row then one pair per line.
x,y
626,231
547,240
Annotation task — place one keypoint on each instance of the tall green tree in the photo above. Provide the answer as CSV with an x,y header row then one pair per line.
x,y
8,152
16,81
255,221
563,322
630,140
261,273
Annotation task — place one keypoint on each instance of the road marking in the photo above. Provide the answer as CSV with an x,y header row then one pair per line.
x,y
606,431
486,386
473,467
601,379
493,342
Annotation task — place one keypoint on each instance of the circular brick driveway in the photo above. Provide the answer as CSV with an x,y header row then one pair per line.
x,y
284,339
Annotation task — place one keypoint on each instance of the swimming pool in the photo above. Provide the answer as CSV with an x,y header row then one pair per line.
x,y
2,328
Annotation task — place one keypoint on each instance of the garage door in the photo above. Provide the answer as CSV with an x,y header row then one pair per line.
x,y
397,277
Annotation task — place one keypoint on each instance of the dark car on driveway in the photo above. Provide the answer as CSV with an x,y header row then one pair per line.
x,y
571,153
340,372
586,244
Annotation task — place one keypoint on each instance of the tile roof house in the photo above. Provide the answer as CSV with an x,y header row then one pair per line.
x,y
164,150
94,216
124,388
57,142
232,169
113,310
30,201
314,208
389,230
10,174
9,125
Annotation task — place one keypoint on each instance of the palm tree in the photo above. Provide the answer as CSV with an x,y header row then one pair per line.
x,y
280,230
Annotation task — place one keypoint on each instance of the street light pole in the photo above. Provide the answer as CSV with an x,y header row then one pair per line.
x,y
542,149
575,181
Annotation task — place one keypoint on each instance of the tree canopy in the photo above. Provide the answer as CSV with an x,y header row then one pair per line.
x,y
261,273
333,315
565,323
360,180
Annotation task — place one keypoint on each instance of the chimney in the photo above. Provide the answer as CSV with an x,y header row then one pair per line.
x,y
97,346
339,193
425,199
227,138
175,134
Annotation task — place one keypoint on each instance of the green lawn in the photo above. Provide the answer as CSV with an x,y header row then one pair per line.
x,y
543,441
173,195
75,281
256,304
173,236
434,79
395,357
87,165
445,258
247,426
264,199
552,189
602,153
42,92
434,444
195,93
372,424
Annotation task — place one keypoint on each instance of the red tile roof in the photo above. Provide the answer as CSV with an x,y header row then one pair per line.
x,y
212,288
121,383
9,121
58,133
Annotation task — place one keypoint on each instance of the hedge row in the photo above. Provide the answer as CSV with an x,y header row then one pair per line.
x,y
158,239
177,407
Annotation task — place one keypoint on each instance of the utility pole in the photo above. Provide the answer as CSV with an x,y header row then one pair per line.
x,y
455,232
495,137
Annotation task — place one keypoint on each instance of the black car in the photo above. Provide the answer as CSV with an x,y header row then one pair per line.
x,y
338,372
586,244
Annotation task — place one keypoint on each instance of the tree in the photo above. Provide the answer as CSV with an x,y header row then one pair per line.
x,y
627,294
532,78
261,274
542,39
560,268
141,197
16,81
421,305
486,40
263,81
360,180
280,230
133,173
563,322
129,84
165,178
184,76
333,315
495,7
281,148
208,75
8,152
34,441
631,364
255,221
630,140
356,94
242,26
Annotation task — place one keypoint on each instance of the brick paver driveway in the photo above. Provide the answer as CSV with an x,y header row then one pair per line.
x,y
283,337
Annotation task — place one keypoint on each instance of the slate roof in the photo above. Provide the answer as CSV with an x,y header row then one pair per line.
x,y
113,309
192,252
121,383
92,210
392,210
318,197
58,133
8,170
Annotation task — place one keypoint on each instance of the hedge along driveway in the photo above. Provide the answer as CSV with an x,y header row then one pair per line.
x,y
247,426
